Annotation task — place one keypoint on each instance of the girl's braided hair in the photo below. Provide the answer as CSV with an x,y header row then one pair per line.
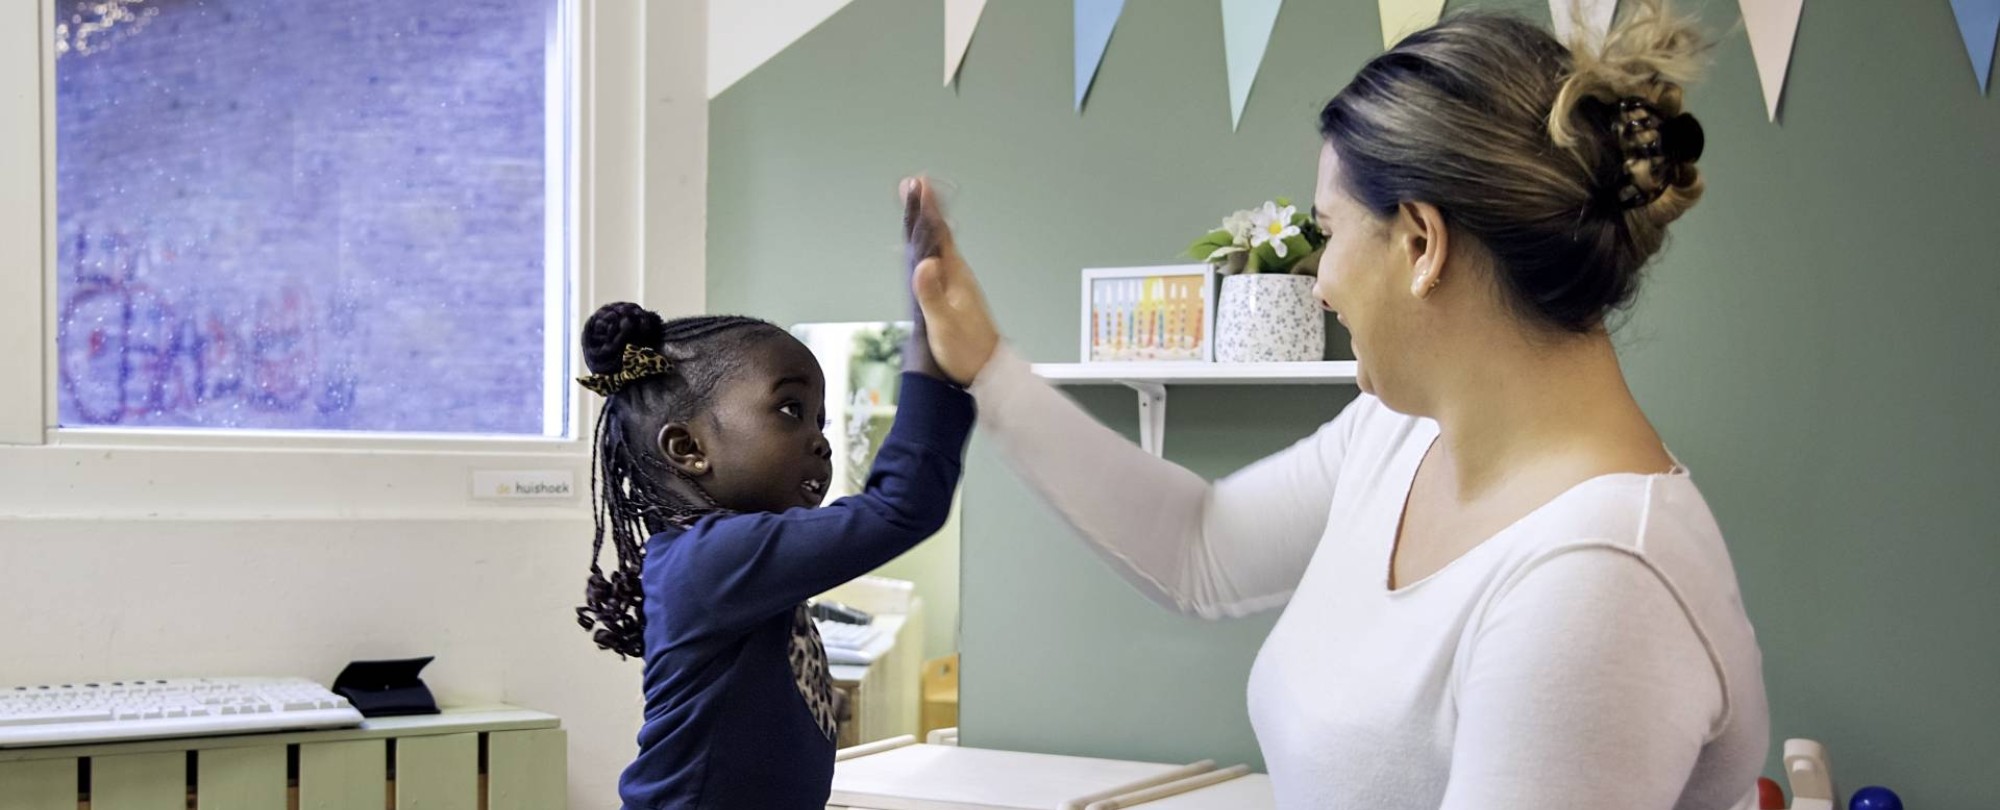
x,y
631,497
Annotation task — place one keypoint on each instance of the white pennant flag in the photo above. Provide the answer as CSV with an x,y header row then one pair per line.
x,y
1246,34
1773,26
961,18
1592,16
743,34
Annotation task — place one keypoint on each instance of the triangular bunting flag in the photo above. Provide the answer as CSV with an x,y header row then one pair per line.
x,y
743,34
1246,33
1094,21
1589,19
961,18
1773,26
1979,24
1400,18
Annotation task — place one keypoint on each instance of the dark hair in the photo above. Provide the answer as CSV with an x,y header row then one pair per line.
x,y
629,490
1512,136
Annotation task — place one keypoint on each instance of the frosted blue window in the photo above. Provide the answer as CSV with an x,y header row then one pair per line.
x,y
325,215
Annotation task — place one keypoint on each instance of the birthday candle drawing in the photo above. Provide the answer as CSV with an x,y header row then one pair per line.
x,y
1141,313
1118,319
1180,316
1138,290
1179,329
1097,321
1155,309
1128,302
1146,316
1187,317
1139,336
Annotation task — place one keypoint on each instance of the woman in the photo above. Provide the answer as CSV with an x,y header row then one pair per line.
x,y
1500,590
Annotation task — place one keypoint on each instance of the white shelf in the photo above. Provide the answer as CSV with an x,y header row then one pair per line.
x,y
1151,381
1328,372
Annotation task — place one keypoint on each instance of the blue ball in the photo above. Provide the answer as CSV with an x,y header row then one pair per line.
x,y
1875,798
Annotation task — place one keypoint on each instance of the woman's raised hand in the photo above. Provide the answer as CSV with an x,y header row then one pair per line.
x,y
953,318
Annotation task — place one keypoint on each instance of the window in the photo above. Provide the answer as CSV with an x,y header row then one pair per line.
x,y
342,215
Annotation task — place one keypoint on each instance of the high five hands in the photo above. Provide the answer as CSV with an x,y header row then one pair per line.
x,y
952,321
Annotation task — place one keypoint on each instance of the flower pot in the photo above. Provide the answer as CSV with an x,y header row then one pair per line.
x,y
1268,318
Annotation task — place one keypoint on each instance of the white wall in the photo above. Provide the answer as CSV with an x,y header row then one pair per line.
x,y
494,600
676,186
151,586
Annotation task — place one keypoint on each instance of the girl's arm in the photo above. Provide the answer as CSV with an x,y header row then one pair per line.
x,y
729,572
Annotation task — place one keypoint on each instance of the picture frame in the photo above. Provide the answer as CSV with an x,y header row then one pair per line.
x,y
1151,314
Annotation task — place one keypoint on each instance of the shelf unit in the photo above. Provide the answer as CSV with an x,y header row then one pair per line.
x,y
1151,381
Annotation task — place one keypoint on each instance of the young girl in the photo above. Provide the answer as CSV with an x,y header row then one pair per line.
x,y
711,462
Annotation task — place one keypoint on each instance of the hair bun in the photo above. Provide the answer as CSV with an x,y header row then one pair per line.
x,y
1681,139
613,327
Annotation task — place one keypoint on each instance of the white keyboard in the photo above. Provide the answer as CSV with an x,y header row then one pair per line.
x,y
108,711
845,636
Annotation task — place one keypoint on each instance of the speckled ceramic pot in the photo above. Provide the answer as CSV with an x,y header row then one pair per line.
x,y
1268,318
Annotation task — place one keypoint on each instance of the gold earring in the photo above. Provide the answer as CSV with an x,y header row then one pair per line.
x,y
698,465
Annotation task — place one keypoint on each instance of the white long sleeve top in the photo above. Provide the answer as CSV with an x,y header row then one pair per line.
x,y
1595,654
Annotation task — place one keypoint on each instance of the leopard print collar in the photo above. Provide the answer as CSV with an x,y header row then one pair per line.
x,y
809,671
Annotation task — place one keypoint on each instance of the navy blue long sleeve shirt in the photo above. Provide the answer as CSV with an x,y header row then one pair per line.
x,y
728,724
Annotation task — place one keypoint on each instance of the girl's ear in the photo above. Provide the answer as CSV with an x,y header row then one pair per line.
x,y
678,444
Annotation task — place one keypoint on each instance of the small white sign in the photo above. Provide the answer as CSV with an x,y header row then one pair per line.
x,y
512,485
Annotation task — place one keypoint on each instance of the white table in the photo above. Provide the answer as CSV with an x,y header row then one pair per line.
x,y
1247,792
942,777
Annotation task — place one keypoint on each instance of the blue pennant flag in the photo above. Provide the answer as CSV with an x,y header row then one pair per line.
x,y
1979,24
1094,21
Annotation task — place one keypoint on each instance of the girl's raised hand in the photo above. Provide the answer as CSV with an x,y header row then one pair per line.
x,y
950,310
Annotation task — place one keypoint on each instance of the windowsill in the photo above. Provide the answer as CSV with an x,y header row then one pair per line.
x,y
239,481
295,441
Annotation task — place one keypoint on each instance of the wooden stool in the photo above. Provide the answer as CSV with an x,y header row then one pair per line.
x,y
940,694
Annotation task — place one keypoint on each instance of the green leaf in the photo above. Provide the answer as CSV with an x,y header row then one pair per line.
x,y
1298,248
1209,244
1264,259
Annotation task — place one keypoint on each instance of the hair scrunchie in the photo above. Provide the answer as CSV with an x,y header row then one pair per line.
x,y
638,363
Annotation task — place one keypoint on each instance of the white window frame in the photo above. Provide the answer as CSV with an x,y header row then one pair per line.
x,y
112,473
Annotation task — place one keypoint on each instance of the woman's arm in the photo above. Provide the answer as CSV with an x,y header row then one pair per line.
x,y
1233,548
729,572
1230,548
1587,686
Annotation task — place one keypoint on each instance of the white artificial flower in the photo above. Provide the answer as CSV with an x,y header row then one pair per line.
x,y
1273,224
1239,226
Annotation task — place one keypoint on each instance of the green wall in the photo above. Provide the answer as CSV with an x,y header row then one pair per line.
x,y
934,566
1817,344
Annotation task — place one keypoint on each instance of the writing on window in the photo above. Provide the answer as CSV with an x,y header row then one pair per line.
x,y
338,215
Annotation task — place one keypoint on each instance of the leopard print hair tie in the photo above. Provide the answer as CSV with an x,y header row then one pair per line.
x,y
637,364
